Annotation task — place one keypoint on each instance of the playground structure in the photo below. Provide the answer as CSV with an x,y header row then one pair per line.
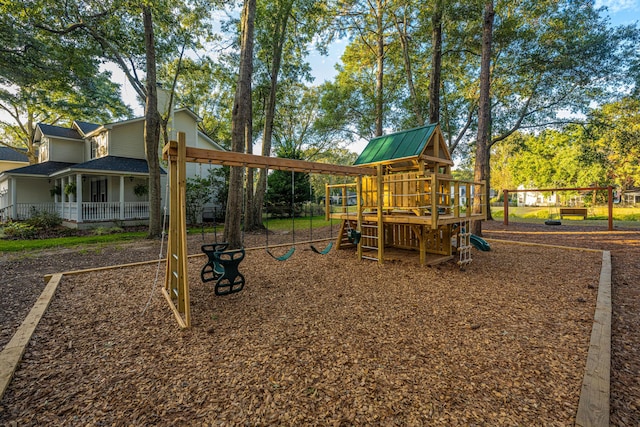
x,y
571,211
412,202
406,199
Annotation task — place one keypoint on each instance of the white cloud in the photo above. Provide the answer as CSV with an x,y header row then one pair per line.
x,y
615,6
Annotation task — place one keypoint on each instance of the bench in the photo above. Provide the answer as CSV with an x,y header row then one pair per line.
x,y
573,212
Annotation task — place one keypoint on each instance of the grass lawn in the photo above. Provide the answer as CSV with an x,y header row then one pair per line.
x,y
626,217
57,242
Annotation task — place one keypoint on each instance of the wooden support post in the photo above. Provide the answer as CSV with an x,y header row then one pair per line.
x,y
327,203
381,238
184,302
176,287
506,207
169,284
456,199
468,199
434,201
359,212
610,206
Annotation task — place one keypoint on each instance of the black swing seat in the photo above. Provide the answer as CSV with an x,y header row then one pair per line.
x,y
212,270
231,280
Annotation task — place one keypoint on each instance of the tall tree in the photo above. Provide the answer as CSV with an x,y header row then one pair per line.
x,y
283,41
241,126
371,23
481,168
281,17
436,62
46,78
152,124
404,21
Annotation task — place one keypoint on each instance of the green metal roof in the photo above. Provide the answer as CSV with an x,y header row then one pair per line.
x,y
408,143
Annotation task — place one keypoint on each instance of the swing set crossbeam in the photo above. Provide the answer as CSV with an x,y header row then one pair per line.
x,y
230,158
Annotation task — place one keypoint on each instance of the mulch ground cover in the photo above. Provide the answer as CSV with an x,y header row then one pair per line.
x,y
326,340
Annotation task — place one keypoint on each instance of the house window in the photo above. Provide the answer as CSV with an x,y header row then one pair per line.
x,y
95,144
44,150
99,190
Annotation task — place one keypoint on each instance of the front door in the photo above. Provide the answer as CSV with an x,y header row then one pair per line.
x,y
99,190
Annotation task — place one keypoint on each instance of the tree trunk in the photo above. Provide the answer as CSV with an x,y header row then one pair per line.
x,y
279,39
380,72
481,169
152,127
413,96
436,64
240,128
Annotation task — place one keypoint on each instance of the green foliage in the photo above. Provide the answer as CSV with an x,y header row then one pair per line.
x,y
286,191
57,190
20,230
141,190
197,195
44,220
279,198
70,189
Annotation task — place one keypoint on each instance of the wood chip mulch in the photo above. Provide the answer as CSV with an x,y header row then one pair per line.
x,y
319,340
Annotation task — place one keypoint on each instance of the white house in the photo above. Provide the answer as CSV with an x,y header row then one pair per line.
x,y
536,198
92,174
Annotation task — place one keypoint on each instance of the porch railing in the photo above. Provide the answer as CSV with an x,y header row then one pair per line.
x,y
91,211
110,211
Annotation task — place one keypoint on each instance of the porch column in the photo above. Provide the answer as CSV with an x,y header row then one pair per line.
x,y
56,196
14,198
122,197
67,198
79,196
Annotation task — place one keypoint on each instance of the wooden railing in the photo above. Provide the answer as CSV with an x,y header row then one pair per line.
x,y
416,193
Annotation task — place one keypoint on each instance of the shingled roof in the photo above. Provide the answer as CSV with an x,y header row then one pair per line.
x,y
10,155
43,169
85,127
115,164
51,130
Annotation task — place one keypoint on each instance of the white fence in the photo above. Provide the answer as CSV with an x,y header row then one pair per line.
x,y
91,212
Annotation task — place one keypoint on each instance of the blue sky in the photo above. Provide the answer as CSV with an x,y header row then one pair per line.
x,y
621,12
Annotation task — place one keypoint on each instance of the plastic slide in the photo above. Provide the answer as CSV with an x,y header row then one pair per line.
x,y
480,243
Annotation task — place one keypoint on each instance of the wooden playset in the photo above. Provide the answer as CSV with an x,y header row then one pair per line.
x,y
412,202
405,199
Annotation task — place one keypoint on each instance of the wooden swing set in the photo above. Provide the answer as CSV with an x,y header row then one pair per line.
x,y
177,154
404,198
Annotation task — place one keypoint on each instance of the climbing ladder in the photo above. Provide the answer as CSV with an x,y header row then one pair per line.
x,y
464,243
370,241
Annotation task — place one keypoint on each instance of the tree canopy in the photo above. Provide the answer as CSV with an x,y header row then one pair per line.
x,y
562,80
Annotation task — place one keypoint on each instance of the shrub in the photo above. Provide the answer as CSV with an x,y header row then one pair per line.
x,y
44,219
631,217
20,230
